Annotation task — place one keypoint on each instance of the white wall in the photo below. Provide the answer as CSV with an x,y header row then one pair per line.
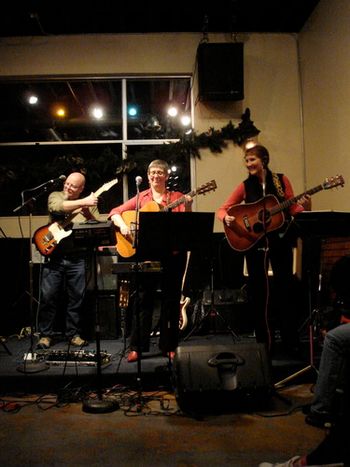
x,y
271,90
325,64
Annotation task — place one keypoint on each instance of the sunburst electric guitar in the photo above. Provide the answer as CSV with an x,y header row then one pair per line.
x,y
123,304
47,237
125,244
253,220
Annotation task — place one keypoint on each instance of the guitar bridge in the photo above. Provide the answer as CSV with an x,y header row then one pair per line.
x,y
50,246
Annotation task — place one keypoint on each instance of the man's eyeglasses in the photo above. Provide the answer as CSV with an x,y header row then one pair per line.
x,y
70,185
156,172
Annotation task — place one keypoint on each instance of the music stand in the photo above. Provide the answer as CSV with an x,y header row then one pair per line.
x,y
173,231
311,225
93,234
162,232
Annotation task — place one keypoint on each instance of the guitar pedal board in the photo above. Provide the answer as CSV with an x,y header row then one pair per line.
x,y
73,358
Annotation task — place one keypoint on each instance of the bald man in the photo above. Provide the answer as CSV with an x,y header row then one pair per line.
x,y
65,268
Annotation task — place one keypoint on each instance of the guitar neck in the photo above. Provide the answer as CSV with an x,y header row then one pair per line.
x,y
200,190
289,202
181,200
69,219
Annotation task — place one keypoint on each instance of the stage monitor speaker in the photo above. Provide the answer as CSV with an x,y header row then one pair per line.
x,y
220,71
218,377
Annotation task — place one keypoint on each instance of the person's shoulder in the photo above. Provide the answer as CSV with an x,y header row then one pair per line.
x,y
56,194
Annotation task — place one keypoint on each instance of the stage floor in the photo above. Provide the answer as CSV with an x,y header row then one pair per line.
x,y
61,365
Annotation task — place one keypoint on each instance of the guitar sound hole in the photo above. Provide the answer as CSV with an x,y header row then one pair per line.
x,y
264,219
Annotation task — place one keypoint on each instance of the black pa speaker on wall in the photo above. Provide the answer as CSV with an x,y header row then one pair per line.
x,y
215,377
220,71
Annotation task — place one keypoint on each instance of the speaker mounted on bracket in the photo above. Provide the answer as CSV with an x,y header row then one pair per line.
x,y
220,71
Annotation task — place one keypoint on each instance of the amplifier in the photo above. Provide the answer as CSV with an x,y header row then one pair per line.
x,y
94,233
144,266
225,296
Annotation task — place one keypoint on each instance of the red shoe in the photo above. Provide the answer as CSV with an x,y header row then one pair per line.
x,y
170,355
133,356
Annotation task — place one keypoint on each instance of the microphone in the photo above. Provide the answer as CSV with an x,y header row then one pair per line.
x,y
58,179
50,182
138,180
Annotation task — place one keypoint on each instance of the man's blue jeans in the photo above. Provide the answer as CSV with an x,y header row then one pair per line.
x,y
335,353
60,273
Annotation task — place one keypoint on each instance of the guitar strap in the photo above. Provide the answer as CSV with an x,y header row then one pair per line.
x,y
168,198
278,185
277,181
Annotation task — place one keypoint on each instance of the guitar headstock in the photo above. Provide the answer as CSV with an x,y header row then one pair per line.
x,y
333,182
108,185
209,186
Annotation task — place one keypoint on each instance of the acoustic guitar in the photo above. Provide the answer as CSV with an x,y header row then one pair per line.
x,y
253,220
125,244
47,237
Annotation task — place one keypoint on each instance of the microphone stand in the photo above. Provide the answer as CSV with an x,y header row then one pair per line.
x,y
30,364
266,249
137,299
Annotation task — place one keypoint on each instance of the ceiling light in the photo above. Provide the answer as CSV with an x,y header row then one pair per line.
x,y
172,111
32,99
132,111
60,112
185,120
97,112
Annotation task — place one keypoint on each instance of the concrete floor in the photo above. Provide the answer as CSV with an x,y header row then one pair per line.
x,y
43,422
